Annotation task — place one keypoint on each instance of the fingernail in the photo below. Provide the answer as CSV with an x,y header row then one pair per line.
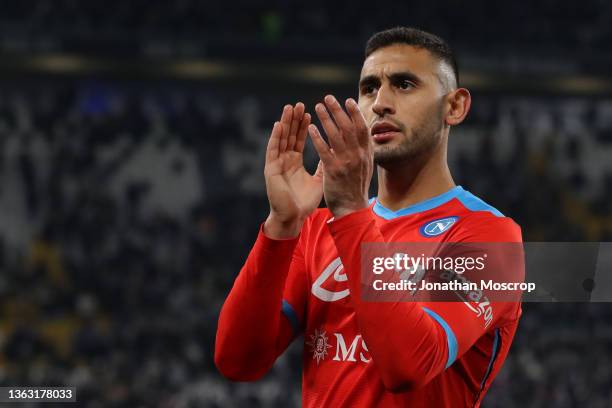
x,y
330,99
351,101
319,107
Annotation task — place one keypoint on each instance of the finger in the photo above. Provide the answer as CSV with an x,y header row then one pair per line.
x,y
320,169
340,117
335,138
300,140
321,147
358,120
298,113
286,125
274,142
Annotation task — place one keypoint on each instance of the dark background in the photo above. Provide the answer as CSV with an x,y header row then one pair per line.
x,y
131,156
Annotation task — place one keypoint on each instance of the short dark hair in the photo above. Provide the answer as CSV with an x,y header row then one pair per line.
x,y
417,38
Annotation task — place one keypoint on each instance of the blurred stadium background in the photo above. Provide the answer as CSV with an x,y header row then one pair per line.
x,y
131,189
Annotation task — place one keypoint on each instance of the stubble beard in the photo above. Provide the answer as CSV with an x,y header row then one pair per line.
x,y
416,143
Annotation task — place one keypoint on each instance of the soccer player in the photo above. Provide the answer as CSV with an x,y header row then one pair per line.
x,y
303,273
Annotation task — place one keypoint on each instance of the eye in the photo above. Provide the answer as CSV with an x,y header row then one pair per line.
x,y
405,84
368,89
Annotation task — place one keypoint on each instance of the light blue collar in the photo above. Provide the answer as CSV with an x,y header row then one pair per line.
x,y
425,205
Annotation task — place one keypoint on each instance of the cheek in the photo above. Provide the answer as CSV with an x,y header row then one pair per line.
x,y
363,105
366,110
413,111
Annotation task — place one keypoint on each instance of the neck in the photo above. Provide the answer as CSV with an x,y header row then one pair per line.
x,y
403,184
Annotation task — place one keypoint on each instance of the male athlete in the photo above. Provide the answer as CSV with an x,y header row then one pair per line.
x,y
303,273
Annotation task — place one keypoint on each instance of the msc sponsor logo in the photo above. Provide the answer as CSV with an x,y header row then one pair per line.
x,y
318,345
344,353
352,351
437,227
336,269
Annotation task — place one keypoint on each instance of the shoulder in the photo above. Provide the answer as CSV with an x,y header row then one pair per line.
x,y
480,221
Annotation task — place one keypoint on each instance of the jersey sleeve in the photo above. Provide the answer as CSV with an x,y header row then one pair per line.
x,y
410,342
263,311
471,314
295,293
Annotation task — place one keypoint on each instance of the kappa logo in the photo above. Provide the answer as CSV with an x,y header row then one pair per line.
x,y
334,268
437,227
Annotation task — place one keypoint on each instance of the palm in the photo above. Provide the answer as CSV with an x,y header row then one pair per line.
x,y
289,184
293,193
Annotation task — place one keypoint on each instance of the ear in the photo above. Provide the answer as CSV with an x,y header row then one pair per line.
x,y
458,104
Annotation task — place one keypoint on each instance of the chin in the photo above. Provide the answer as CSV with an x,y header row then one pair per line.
x,y
387,157
393,154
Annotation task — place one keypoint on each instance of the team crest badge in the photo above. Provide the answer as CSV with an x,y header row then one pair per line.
x,y
318,345
437,227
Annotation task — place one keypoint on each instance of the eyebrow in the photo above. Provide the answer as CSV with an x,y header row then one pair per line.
x,y
373,80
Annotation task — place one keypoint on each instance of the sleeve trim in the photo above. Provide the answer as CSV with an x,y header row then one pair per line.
x,y
451,339
289,312
493,358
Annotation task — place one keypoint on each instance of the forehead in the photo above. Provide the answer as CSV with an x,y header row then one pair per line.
x,y
401,57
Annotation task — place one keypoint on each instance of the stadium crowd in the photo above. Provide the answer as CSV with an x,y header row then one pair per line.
x,y
329,30
126,211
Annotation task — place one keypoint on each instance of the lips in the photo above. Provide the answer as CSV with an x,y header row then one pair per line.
x,y
383,127
384,132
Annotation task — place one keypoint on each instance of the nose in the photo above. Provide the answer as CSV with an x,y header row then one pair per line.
x,y
383,104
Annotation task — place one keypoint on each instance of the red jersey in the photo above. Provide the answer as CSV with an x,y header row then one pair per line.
x,y
368,354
